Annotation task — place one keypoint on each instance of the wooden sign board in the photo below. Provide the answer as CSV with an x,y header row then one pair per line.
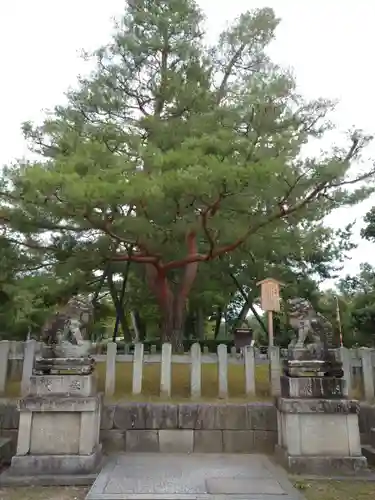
x,y
242,337
270,294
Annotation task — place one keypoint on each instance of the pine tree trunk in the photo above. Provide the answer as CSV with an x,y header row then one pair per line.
x,y
172,302
120,314
219,315
141,325
173,322
200,323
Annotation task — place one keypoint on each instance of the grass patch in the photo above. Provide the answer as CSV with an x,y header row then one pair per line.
x,y
337,490
180,382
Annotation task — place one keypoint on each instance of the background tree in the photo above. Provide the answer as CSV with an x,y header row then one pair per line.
x,y
358,304
368,231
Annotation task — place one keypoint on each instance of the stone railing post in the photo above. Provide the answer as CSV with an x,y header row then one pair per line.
x,y
274,370
110,371
4,356
345,357
196,371
368,373
138,368
222,358
249,357
28,363
166,370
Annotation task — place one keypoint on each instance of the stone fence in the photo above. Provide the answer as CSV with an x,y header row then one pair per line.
x,y
181,428
17,359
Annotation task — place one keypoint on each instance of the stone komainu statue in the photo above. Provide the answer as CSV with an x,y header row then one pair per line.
x,y
309,324
69,326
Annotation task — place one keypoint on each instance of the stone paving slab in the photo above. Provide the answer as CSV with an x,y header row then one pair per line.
x,y
147,476
242,486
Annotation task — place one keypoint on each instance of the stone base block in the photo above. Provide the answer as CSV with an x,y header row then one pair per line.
x,y
58,435
142,440
369,452
55,464
6,450
312,387
301,406
176,440
208,441
318,435
75,385
321,465
58,425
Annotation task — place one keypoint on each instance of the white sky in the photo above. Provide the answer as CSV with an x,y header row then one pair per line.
x,y
327,42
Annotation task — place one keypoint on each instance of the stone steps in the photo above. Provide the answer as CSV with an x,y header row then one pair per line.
x,y
5,450
206,476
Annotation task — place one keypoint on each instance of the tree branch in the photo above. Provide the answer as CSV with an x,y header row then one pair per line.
x,y
354,181
228,71
207,213
249,303
192,269
33,246
159,104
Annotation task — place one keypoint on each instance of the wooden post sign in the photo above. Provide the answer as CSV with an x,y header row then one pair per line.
x,y
270,301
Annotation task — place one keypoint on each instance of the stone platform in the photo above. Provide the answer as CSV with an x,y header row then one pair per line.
x,y
319,436
58,435
59,421
148,476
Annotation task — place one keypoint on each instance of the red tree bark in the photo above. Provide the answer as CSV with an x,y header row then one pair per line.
x,y
172,300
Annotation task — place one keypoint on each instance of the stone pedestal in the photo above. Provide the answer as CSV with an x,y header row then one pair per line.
x,y
312,387
59,421
309,362
316,434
